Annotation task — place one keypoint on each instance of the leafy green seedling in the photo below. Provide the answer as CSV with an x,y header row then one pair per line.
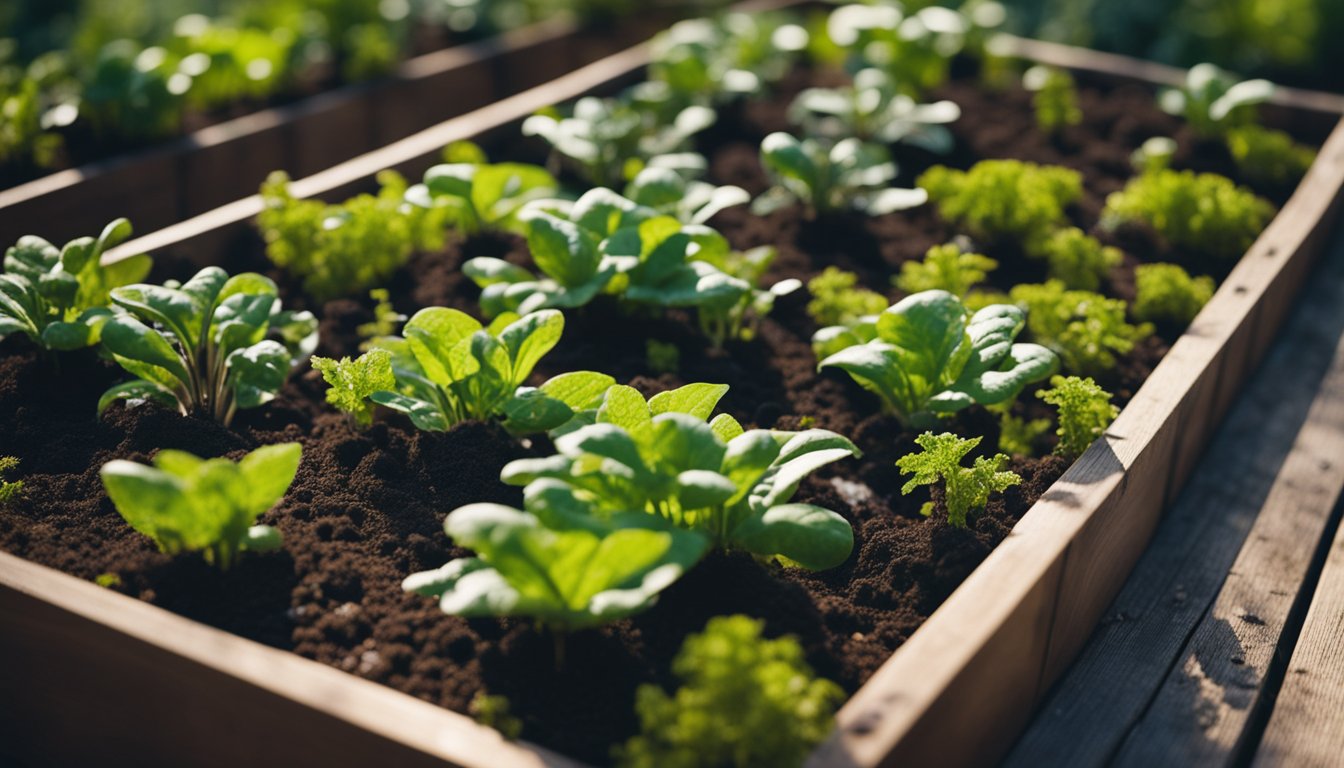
x,y
1267,156
352,382
1154,154
202,347
621,404
1076,259
710,61
829,178
1003,200
1212,101
669,186
58,298
836,299
927,357
872,109
493,711
1166,293
1054,97
965,489
9,489
1087,330
945,267
743,701
1085,411
739,317
385,321
916,50
188,504
1018,436
483,196
1200,212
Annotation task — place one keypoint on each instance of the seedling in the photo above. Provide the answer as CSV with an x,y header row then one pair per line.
x,y
1087,330
836,299
352,382
1154,154
945,267
1018,436
9,489
1212,101
1085,411
1200,212
874,110
188,504
916,50
662,356
483,196
965,489
386,319
1055,98
621,405
740,317
826,179
1003,200
711,61
1166,293
1267,156
1077,259
669,185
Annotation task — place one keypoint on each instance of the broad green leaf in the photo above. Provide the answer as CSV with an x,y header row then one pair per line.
x,y
424,415
127,337
267,473
257,373
725,427
486,271
433,333
562,249
529,339
698,400
579,390
814,537
136,389
625,407
532,410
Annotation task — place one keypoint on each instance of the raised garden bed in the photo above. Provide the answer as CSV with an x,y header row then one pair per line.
x,y
1038,567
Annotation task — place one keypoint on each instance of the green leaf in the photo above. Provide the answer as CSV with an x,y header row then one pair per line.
x,y
128,338
433,334
579,390
137,389
725,427
267,473
486,271
257,372
529,339
698,400
562,249
424,415
532,410
813,537
625,407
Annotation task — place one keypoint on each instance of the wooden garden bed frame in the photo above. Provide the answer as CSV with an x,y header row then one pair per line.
x,y
91,673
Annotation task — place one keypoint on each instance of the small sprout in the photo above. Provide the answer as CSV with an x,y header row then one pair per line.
x,y
1267,156
189,504
1166,293
1003,200
836,300
385,321
872,109
493,712
1077,259
9,489
661,356
1018,436
1201,212
107,580
945,267
743,701
1055,98
965,489
1085,411
740,317
1087,330
1213,102
1153,155
352,382
830,178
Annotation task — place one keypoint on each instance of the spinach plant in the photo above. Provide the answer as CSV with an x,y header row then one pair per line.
x,y
945,267
828,178
1212,101
1166,293
58,298
915,49
739,317
711,61
621,404
188,504
872,109
965,489
1199,212
926,356
202,347
663,186
1085,411
483,196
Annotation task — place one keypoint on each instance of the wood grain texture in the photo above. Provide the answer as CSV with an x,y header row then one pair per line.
x,y
1171,588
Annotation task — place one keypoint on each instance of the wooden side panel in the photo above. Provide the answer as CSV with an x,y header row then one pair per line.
x,y
331,130
223,167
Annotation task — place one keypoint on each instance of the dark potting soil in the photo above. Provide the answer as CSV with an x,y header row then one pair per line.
x,y
367,508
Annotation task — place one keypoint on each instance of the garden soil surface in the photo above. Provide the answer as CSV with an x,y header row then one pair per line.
x,y
367,508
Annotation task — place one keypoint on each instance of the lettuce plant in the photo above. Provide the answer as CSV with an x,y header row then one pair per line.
x,y
965,489
1200,212
58,298
828,178
449,368
202,347
1054,98
1085,411
1267,156
945,267
188,504
1003,200
1087,330
1075,258
927,357
1018,436
731,486
739,317
1166,293
836,299
1212,101
872,109
777,707
352,382
483,196
9,489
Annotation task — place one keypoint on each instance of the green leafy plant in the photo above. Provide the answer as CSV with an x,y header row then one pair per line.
x,y
58,298
1087,330
836,299
872,109
965,489
829,178
739,317
1200,212
1153,154
482,196
1085,411
668,184
915,49
188,504
662,356
714,60
946,267
1267,156
743,701
493,711
1077,259
1212,101
621,404
1166,293
201,347
133,93
1003,200
449,368
9,489
343,249
730,485
1018,436
928,357
385,319
1054,97
352,382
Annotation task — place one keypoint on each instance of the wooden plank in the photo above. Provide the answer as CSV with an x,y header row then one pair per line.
x,y
1307,727
1130,653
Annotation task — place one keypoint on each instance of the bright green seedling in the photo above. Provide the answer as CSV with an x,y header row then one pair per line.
x,y
873,109
837,299
916,50
1166,293
928,357
9,489
385,321
202,347
732,486
483,196
1087,330
669,185
58,298
188,504
739,317
709,61
1054,97
1018,436
743,701
449,368
1200,212
1076,258
1155,154
352,382
1085,411
828,178
945,267
1267,156
1212,101
1003,200
623,405
965,489
493,711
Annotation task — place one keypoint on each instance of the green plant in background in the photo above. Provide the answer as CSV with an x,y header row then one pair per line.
x,y
1087,330
965,489
24,138
927,357
9,489
872,109
228,63
1153,154
493,711
916,50
58,298
1198,212
1018,436
385,319
1085,411
669,185
1166,293
1076,259
133,93
338,250
352,382
946,267
836,299
743,701
730,485
188,504
201,346
1055,98
662,357
830,178
482,196
1267,156
1212,101
711,61
740,317
1003,200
